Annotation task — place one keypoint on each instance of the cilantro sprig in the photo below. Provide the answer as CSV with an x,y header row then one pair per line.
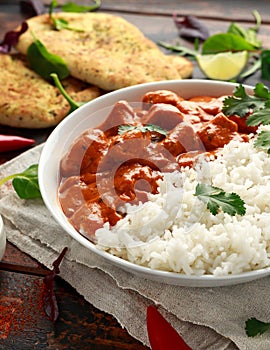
x,y
240,103
256,107
122,129
263,140
215,198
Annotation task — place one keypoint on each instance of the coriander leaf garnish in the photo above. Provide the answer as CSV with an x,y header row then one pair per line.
x,y
25,183
240,103
44,63
263,140
260,117
255,327
122,129
216,198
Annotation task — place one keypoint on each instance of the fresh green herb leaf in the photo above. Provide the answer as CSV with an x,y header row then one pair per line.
x,y
250,34
260,117
225,42
216,198
253,67
182,50
44,63
73,7
25,183
52,6
143,128
240,103
263,140
265,64
60,23
73,104
255,327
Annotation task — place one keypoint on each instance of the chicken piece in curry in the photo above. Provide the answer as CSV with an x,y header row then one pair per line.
x,y
122,160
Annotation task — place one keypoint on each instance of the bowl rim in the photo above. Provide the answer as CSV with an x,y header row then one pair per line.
x,y
143,271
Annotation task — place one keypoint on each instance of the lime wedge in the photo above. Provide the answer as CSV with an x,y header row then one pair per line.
x,y
223,65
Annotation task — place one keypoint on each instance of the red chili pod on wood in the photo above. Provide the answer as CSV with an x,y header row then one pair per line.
x,y
162,335
11,143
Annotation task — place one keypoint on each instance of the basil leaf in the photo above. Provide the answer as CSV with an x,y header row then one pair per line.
x,y
255,327
73,7
225,42
44,63
73,104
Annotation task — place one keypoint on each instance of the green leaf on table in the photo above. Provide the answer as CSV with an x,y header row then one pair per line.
x,y
181,50
263,140
253,67
25,183
240,103
225,42
44,63
255,327
73,7
265,64
250,34
215,198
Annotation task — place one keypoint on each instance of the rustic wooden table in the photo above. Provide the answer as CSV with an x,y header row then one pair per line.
x,y
23,324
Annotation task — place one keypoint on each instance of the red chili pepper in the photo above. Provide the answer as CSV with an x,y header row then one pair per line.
x,y
11,143
161,334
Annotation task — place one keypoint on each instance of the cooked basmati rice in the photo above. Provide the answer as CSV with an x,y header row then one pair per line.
x,y
174,231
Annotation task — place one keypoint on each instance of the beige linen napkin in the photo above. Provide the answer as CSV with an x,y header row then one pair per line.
x,y
207,318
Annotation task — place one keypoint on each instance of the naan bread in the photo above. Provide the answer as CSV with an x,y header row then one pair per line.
x,y
28,101
110,52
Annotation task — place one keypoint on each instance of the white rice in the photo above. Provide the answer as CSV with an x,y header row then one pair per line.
x,y
174,231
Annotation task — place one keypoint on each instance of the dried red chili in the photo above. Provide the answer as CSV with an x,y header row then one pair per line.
x,y
49,299
11,142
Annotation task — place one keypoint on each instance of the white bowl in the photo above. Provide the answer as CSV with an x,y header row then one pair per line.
x,y
2,238
91,115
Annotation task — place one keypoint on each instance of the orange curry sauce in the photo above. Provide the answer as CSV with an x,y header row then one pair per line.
x,y
105,169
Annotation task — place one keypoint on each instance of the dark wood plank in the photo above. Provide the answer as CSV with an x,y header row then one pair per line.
x,y
223,10
17,261
24,325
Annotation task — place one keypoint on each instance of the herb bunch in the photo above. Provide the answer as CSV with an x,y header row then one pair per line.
x,y
236,38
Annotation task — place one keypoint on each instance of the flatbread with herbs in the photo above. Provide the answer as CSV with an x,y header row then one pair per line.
x,y
28,101
108,52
